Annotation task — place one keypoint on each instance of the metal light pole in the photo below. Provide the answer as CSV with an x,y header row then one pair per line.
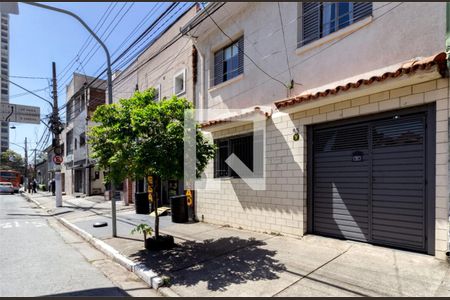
x,y
108,60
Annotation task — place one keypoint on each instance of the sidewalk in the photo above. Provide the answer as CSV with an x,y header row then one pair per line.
x,y
211,260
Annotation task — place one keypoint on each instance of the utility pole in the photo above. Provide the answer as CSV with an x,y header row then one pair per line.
x,y
34,169
109,75
26,164
56,127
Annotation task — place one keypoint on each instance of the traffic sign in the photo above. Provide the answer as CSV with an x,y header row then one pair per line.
x,y
20,113
57,159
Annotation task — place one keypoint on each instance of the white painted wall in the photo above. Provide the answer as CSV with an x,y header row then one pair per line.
x,y
393,35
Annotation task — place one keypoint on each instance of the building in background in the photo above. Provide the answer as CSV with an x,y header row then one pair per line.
x,y
4,71
78,168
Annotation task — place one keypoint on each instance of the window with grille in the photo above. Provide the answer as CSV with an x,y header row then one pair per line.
x,y
229,62
322,18
242,147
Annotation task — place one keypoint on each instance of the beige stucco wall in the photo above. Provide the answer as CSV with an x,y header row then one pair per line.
x,y
282,207
393,35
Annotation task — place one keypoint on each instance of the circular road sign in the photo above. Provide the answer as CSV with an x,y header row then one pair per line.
x,y
57,159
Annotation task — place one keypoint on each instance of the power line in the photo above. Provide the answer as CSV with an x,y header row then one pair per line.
x,y
88,39
137,40
87,42
284,41
242,50
257,85
145,44
31,92
115,26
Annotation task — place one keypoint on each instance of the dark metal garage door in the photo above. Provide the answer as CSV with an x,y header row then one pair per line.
x,y
369,181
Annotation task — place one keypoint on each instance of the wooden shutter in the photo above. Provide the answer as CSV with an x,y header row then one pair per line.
x,y
311,22
218,67
361,10
241,55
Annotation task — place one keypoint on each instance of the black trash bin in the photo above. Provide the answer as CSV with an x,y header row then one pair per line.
x,y
141,203
179,209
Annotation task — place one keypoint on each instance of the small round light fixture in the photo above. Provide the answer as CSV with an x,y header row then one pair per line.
x,y
296,135
396,117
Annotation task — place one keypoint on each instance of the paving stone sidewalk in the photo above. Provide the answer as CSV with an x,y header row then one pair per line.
x,y
211,260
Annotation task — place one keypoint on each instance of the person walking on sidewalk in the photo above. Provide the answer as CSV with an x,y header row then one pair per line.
x,y
53,185
34,185
30,187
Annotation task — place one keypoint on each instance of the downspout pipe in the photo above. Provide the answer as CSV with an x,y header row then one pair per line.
x,y
447,50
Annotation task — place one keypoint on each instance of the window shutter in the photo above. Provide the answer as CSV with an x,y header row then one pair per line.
x,y
311,22
361,10
218,67
241,55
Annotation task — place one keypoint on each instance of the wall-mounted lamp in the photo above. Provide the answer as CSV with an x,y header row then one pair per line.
x,y
296,135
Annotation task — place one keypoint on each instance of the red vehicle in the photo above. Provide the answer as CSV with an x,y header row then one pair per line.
x,y
12,176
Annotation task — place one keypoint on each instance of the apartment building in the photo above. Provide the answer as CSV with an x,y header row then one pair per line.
x,y
355,102
4,71
168,65
79,171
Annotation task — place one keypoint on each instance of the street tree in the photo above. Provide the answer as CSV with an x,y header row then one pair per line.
x,y
140,137
11,160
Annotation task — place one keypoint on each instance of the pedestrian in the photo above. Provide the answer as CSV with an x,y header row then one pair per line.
x,y
53,185
29,187
34,185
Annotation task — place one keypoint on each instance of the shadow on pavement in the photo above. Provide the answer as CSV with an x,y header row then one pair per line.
x,y
220,262
110,291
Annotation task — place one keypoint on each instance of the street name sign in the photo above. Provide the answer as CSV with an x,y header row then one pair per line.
x,y
20,113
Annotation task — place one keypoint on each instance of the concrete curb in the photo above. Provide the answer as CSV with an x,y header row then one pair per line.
x,y
147,275
141,270
28,198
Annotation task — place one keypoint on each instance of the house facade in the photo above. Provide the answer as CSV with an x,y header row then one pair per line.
x,y
167,64
79,171
355,101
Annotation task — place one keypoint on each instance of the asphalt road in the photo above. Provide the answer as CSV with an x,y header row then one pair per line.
x,y
36,261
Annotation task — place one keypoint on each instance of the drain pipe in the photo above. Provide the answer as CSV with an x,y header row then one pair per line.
x,y
447,49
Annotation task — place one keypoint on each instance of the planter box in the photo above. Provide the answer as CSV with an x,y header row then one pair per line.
x,y
162,243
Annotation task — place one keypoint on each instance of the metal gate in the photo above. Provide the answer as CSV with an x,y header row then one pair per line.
x,y
369,181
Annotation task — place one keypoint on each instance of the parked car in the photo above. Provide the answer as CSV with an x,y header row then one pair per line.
x,y
6,187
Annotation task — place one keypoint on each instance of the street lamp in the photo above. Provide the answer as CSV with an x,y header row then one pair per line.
x,y
108,60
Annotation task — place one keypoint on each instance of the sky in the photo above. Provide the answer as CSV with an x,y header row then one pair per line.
x,y
39,37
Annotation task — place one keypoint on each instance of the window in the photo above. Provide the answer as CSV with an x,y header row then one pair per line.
x,y
76,144
242,147
179,83
69,141
82,139
157,96
322,18
229,62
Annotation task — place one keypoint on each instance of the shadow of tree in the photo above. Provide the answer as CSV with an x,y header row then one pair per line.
x,y
219,262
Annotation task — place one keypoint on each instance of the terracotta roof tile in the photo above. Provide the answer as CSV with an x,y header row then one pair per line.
x,y
408,67
265,112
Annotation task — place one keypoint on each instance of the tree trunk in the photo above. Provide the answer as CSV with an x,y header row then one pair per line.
x,y
156,210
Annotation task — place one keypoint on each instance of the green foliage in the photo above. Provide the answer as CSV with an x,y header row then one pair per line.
x,y
137,137
10,160
142,228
